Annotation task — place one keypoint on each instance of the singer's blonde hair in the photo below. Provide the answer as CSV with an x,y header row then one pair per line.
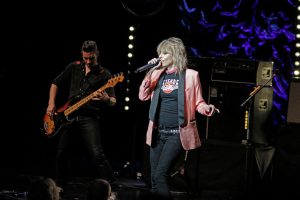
x,y
176,48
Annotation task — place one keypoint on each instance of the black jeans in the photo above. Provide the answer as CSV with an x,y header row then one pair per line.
x,y
167,148
89,133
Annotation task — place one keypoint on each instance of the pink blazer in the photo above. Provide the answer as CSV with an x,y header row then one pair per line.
x,y
193,102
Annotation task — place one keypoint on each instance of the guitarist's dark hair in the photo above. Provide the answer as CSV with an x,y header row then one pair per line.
x,y
89,46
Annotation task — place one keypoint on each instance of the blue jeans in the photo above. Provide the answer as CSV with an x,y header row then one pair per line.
x,y
167,148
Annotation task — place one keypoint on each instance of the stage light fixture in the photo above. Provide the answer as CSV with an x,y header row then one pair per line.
x,y
131,28
131,37
296,70
129,55
296,73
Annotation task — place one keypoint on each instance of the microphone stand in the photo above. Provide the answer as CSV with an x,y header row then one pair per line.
x,y
247,142
250,100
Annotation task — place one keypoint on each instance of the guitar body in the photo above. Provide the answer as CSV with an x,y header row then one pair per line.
x,y
53,125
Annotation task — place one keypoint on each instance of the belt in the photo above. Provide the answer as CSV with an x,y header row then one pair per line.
x,y
168,131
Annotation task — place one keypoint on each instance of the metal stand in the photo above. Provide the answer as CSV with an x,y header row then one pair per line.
x,y
247,141
249,102
181,169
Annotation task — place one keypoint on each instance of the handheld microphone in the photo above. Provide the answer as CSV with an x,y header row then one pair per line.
x,y
145,67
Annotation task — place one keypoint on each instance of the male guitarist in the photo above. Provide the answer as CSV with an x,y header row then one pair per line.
x,y
81,78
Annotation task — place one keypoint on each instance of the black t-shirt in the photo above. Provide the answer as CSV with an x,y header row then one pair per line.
x,y
81,85
168,112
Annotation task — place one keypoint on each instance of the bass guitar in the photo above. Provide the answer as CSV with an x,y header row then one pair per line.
x,y
54,123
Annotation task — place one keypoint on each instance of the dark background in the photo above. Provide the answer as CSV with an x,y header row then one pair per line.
x,y
39,40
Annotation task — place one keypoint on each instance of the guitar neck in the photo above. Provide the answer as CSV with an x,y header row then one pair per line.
x,y
83,101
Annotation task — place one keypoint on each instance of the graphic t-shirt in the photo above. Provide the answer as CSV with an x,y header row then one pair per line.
x,y
168,114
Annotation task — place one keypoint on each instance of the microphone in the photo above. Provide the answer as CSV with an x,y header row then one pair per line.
x,y
145,67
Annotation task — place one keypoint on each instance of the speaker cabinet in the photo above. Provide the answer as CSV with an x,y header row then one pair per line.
x,y
293,114
264,73
237,122
261,125
229,124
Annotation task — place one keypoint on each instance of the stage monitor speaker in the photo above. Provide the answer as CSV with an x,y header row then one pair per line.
x,y
293,114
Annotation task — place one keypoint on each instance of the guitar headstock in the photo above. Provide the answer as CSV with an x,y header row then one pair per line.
x,y
115,79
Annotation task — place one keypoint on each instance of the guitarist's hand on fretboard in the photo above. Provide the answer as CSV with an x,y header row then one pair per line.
x,y
102,96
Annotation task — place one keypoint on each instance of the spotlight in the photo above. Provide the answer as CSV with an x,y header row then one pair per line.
x,y
296,73
126,108
129,55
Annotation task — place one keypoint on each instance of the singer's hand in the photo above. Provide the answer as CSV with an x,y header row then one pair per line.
x,y
211,110
154,61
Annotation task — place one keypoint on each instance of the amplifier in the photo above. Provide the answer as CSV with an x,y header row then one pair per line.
x,y
232,81
241,71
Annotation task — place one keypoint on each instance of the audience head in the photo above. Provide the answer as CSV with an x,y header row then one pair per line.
x,y
44,188
99,189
